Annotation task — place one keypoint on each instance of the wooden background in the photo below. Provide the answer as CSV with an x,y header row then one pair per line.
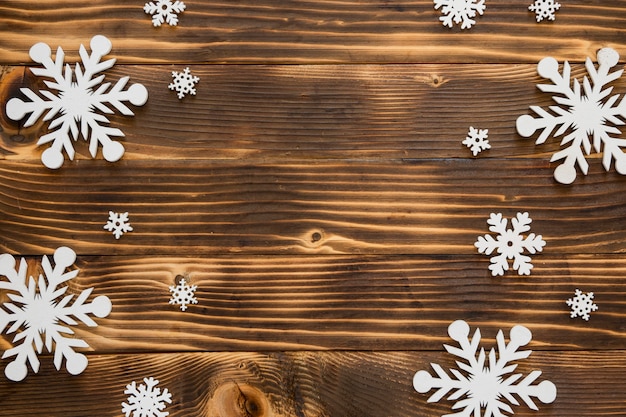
x,y
317,192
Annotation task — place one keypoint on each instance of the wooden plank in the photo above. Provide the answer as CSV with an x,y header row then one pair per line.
x,y
279,31
346,303
304,384
204,207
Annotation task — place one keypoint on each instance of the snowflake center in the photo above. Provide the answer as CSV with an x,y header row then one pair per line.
x,y
485,387
146,404
587,115
77,100
509,243
459,5
40,313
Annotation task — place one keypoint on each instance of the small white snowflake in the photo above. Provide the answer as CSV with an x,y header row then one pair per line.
x,y
477,140
118,224
483,385
587,113
582,304
184,83
76,102
164,11
147,400
36,308
510,244
183,294
459,11
544,9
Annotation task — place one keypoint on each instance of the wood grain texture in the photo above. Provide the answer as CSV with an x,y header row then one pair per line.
x,y
314,111
344,207
281,384
348,303
297,32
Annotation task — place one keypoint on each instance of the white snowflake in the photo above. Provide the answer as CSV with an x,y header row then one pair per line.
x,y
36,308
510,244
147,400
164,11
485,386
183,294
544,9
459,11
76,102
118,224
582,304
184,83
477,140
586,113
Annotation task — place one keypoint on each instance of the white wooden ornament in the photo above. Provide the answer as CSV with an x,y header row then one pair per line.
x,y
485,382
164,11
146,400
544,9
581,304
510,244
184,83
118,224
477,140
76,101
586,110
36,307
183,294
459,12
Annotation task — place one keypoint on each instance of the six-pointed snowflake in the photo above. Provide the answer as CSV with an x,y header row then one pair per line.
x,y
544,9
146,400
587,113
582,304
485,386
510,244
184,83
118,224
459,11
164,11
183,294
477,140
36,309
75,103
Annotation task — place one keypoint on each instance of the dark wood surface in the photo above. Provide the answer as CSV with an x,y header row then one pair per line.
x,y
317,192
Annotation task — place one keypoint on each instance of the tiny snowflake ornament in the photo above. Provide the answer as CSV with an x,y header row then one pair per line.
x,y
544,9
510,244
184,83
485,386
146,400
76,100
36,309
582,304
164,11
459,11
476,140
118,224
183,294
589,113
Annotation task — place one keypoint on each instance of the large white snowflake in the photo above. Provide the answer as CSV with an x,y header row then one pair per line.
x,y
146,400
183,294
544,9
510,244
36,309
485,386
164,11
459,11
587,113
477,140
75,103
581,304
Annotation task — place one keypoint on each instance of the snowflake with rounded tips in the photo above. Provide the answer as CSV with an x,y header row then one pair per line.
x,y
459,11
76,99
36,309
485,386
164,11
118,224
183,294
544,9
582,304
146,400
477,140
510,244
184,83
588,114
